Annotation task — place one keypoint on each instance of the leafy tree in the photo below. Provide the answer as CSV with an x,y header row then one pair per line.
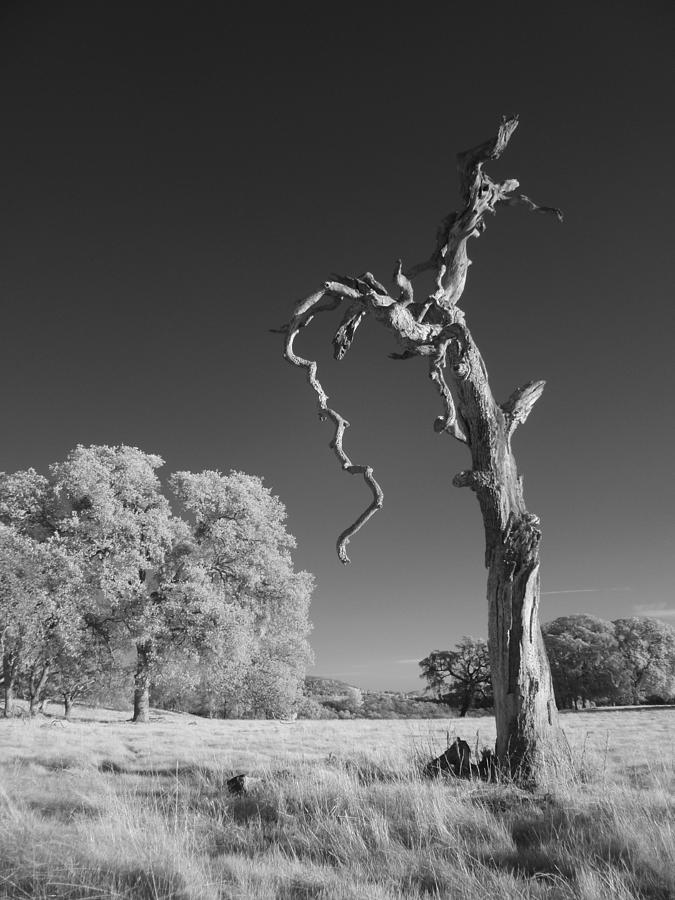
x,y
27,503
206,646
79,650
19,599
433,326
461,676
40,596
122,523
214,602
245,550
585,664
646,647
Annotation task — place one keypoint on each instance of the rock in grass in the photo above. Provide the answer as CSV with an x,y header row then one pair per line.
x,y
241,784
238,784
455,761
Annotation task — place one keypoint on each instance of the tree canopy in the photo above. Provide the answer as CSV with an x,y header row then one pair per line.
x,y
624,661
460,677
209,600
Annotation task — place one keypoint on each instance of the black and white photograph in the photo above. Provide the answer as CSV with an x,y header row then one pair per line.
x,y
337,512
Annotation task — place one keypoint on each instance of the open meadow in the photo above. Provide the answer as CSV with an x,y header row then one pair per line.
x,y
101,808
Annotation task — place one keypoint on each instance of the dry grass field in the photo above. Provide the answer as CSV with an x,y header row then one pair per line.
x,y
101,808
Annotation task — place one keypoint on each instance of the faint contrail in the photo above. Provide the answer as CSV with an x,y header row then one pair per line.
x,y
587,590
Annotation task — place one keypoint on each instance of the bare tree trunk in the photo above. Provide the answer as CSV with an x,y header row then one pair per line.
x,y
145,655
528,735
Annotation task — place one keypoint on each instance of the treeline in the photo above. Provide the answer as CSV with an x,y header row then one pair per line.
x,y
103,587
625,661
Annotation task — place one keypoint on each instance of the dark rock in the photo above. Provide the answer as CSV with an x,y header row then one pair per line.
x,y
237,784
455,761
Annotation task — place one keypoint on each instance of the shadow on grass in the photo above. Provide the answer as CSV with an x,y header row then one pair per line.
x,y
62,763
63,809
302,889
367,771
550,840
200,773
251,809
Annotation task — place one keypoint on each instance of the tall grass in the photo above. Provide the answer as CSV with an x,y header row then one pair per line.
x,y
112,810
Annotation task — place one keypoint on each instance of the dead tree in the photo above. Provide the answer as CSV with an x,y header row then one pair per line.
x,y
435,328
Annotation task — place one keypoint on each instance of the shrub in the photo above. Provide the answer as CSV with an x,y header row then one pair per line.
x,y
310,708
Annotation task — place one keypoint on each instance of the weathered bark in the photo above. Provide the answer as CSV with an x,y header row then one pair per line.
x,y
144,659
528,734
525,709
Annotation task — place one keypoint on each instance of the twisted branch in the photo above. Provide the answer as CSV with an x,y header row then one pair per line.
x,y
434,327
303,315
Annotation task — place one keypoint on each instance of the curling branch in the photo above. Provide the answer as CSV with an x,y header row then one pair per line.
x,y
303,315
434,327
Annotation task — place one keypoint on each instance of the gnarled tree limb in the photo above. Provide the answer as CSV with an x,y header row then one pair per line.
x,y
433,328
303,315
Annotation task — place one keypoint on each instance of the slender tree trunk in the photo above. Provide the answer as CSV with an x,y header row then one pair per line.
x,y
8,675
9,699
36,687
145,655
467,702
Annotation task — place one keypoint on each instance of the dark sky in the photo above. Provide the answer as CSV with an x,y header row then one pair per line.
x,y
176,176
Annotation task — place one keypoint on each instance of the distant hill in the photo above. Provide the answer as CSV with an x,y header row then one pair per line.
x,y
333,698
317,685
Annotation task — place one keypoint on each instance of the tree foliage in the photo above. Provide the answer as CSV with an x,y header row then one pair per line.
x,y
624,661
647,650
460,677
582,652
41,592
93,560
244,549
